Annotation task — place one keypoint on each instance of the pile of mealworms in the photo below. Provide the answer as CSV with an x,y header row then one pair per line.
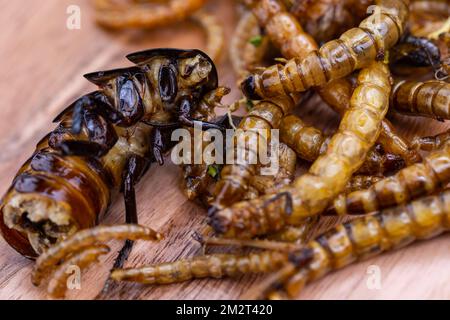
x,y
363,58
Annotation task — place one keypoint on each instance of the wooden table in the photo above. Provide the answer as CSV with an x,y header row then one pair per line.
x,y
42,64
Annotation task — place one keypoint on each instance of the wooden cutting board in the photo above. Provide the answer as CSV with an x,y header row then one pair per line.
x,y
42,63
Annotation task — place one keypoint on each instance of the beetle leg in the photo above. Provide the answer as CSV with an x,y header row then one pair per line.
x,y
185,113
135,168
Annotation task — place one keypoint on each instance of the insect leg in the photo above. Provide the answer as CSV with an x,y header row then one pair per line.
x,y
134,169
185,116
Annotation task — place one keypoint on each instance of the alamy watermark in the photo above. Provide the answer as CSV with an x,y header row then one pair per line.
x,y
373,281
74,279
73,21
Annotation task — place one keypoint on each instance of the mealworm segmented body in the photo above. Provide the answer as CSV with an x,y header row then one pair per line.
x,y
337,94
327,177
85,239
309,143
429,99
355,49
282,28
58,284
420,179
288,35
359,239
209,266
327,19
234,179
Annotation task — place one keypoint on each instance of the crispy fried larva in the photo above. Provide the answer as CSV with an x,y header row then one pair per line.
x,y
147,15
58,284
337,94
86,238
417,180
429,99
209,266
245,55
270,183
282,27
309,143
359,239
327,19
234,178
327,177
355,49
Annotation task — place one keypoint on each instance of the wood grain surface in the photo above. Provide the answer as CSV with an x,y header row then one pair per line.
x,y
42,63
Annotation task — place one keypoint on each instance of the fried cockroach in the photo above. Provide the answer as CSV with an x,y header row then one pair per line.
x,y
209,266
309,143
355,49
359,239
417,180
85,239
104,143
146,14
429,99
327,177
234,178
337,94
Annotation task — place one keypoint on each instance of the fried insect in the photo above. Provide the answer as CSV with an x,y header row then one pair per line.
x,y
58,284
337,94
199,180
429,99
309,143
327,177
420,179
355,49
282,28
288,35
247,46
104,143
86,239
209,266
326,19
234,178
145,15
415,51
359,239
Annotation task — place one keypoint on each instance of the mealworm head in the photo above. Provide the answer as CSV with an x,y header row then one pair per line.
x,y
248,87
